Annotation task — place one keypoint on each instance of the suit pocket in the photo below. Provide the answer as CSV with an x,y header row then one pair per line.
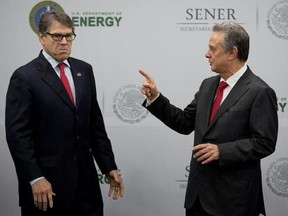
x,y
47,162
238,112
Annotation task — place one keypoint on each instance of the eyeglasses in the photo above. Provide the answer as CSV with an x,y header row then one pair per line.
x,y
59,37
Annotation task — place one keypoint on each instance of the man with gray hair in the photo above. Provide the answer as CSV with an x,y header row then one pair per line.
x,y
234,117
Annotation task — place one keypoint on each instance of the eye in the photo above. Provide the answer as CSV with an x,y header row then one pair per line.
x,y
58,36
69,36
212,49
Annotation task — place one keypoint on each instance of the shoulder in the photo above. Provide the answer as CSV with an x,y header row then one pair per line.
x,y
253,80
210,81
80,66
32,64
27,70
79,62
257,81
257,85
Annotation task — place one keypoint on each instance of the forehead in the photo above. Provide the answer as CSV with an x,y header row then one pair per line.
x,y
216,39
57,27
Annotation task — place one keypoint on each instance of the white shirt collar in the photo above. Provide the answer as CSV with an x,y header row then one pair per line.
x,y
54,63
232,80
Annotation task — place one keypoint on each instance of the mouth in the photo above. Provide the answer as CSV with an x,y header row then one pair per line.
x,y
64,51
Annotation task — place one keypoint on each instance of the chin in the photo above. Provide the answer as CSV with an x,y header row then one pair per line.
x,y
63,57
214,70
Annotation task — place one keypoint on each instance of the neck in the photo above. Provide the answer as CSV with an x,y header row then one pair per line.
x,y
232,69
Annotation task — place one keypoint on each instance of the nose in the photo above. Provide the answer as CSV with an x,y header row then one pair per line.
x,y
207,54
63,41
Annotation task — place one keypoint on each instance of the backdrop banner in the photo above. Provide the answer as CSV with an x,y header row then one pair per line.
x,y
168,39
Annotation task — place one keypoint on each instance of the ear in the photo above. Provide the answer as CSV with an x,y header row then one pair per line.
x,y
233,53
41,38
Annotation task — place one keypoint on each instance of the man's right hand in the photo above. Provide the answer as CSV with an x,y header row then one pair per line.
x,y
42,194
149,87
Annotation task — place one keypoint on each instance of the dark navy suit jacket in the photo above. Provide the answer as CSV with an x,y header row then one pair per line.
x,y
49,136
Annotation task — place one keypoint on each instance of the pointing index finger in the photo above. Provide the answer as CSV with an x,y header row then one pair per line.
x,y
145,75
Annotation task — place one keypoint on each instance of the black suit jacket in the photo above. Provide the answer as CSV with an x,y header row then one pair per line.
x,y
49,136
244,128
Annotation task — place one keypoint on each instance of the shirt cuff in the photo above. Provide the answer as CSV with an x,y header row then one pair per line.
x,y
35,180
149,102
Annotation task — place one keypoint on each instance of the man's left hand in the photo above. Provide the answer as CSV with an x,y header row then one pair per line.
x,y
116,189
206,153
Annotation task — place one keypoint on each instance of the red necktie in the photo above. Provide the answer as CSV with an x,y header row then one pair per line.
x,y
65,81
219,94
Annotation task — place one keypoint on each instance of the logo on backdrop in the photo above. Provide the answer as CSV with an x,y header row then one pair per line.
x,y
80,19
39,9
127,104
183,182
277,177
202,19
282,102
96,19
277,19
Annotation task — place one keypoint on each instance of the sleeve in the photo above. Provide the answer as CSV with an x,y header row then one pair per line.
x,y
100,143
18,123
181,121
263,129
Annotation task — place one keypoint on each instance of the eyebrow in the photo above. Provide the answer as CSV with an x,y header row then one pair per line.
x,y
61,33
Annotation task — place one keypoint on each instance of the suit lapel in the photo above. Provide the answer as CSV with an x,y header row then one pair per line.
x,y
235,94
78,80
205,102
50,77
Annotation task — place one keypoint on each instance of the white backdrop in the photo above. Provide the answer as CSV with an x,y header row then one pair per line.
x,y
161,37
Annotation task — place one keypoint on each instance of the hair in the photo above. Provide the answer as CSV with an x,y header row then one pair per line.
x,y
234,36
48,17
